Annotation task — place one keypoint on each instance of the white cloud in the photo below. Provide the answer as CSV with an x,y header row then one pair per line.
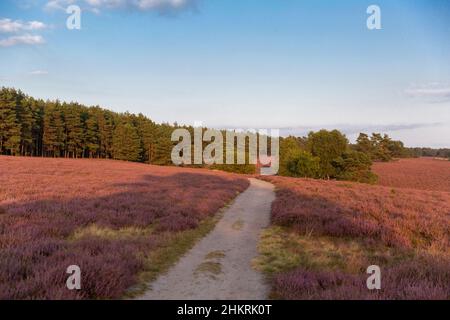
x,y
58,4
20,29
22,39
141,5
106,3
14,26
434,92
38,73
158,4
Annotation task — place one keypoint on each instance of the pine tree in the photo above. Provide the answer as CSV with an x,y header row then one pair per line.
x,y
25,118
10,127
54,131
92,133
106,128
49,137
37,130
74,130
147,130
364,144
163,145
126,142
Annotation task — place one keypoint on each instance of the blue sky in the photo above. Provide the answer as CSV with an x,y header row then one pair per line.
x,y
291,64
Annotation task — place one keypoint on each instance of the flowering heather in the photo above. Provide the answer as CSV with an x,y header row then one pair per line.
x,y
405,231
408,280
49,207
422,173
404,218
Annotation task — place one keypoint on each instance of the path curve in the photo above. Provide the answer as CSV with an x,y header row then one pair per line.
x,y
218,267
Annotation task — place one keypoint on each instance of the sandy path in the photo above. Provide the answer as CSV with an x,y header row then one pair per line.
x,y
219,266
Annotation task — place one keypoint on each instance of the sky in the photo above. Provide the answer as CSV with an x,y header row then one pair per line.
x,y
295,65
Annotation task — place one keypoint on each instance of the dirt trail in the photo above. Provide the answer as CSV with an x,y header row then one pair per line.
x,y
219,266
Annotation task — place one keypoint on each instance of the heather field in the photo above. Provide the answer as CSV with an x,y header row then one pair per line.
x,y
421,173
122,223
325,234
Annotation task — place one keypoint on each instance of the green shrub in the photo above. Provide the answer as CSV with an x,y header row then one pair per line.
x,y
327,146
354,166
303,164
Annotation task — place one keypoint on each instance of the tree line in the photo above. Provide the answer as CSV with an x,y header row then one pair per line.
x,y
429,152
34,127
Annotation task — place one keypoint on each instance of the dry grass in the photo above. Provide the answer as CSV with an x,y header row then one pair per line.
x,y
108,233
215,255
209,268
238,225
